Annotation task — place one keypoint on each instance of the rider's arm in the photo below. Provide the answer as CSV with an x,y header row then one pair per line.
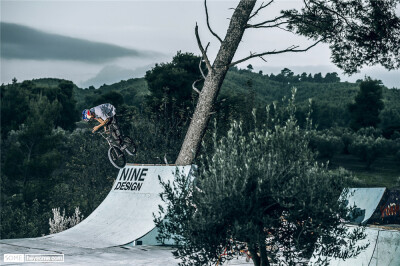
x,y
102,123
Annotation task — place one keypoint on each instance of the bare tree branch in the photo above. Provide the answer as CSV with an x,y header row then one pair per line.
x,y
208,22
262,58
284,29
203,52
265,22
194,86
268,26
290,49
201,69
259,9
202,73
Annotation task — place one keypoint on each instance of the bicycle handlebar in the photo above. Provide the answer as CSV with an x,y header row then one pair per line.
x,y
101,134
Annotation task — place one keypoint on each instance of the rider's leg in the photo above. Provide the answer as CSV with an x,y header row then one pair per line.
x,y
115,131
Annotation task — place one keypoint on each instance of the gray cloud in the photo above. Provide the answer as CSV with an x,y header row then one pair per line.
x,y
22,42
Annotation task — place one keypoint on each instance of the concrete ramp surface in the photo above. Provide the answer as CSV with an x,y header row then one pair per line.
x,y
383,250
125,215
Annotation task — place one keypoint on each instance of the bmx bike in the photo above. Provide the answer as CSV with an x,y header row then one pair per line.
x,y
116,152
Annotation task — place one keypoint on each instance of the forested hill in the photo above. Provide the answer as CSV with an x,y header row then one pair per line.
x,y
329,95
325,91
242,87
239,83
133,92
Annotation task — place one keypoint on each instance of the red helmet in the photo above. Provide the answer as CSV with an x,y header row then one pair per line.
x,y
85,114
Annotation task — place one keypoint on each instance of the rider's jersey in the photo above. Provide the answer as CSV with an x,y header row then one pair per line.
x,y
103,111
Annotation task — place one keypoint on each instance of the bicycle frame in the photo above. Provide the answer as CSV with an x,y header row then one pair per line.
x,y
109,141
122,146
117,151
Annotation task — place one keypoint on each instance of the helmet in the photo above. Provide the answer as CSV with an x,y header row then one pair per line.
x,y
85,114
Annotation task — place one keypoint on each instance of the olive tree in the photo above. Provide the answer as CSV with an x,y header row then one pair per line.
x,y
263,190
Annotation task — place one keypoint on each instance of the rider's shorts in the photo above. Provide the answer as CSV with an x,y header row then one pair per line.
x,y
114,128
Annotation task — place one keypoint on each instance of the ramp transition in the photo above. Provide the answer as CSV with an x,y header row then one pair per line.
x,y
383,250
374,206
126,214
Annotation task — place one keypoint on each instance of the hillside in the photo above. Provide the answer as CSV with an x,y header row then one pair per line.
x,y
267,90
133,91
330,99
236,84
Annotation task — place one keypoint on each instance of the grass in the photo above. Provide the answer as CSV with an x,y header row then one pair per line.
x,y
384,172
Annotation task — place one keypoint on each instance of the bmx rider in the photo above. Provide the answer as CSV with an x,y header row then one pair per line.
x,y
105,115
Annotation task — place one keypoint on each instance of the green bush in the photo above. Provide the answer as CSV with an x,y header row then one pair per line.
x,y
369,132
368,149
326,144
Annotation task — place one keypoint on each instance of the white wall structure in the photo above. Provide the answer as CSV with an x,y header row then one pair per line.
x,y
150,239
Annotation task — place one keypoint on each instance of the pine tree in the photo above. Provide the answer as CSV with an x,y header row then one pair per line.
x,y
367,106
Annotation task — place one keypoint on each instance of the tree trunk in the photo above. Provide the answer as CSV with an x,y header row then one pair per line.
x,y
213,82
263,252
254,255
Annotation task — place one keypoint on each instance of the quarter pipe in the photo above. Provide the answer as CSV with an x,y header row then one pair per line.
x,y
126,214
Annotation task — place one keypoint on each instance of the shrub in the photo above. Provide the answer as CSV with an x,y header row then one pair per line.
x,y
368,149
326,144
60,222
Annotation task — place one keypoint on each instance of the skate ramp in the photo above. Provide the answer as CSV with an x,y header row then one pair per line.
x,y
366,201
387,248
384,245
383,250
125,215
388,211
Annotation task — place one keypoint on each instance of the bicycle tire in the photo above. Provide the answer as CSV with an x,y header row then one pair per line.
x,y
130,146
116,157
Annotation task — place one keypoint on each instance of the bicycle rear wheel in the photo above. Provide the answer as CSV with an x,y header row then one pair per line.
x,y
129,146
117,157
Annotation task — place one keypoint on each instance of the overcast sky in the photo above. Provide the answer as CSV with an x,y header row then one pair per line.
x,y
96,42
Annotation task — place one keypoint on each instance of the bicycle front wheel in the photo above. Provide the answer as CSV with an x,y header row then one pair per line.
x,y
117,157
